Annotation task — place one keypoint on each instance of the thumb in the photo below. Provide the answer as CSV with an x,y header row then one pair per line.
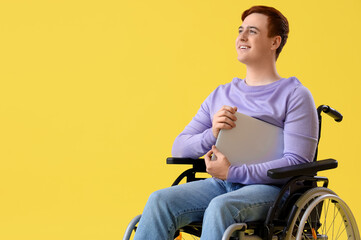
x,y
215,150
209,154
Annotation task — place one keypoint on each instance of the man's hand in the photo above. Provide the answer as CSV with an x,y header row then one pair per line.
x,y
224,119
217,168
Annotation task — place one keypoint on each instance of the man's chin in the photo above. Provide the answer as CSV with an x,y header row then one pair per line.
x,y
242,59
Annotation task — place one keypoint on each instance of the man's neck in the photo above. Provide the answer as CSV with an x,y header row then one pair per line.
x,y
261,75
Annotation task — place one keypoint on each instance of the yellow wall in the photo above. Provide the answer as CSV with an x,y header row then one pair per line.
x,y
93,93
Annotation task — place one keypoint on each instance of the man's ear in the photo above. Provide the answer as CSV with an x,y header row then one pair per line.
x,y
276,42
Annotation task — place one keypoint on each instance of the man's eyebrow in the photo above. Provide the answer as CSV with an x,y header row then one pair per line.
x,y
249,27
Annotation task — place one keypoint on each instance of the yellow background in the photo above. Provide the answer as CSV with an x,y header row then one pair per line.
x,y
93,93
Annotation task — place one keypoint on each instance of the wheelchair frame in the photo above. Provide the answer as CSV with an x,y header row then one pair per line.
x,y
285,219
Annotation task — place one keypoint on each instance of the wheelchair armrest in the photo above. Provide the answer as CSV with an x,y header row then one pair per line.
x,y
198,164
302,169
180,160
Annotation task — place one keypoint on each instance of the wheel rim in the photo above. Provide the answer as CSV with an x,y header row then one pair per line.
x,y
327,217
301,205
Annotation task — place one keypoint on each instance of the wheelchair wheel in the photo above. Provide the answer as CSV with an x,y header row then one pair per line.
x,y
321,214
131,227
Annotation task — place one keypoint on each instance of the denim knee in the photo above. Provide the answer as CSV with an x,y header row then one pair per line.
x,y
240,210
220,208
156,200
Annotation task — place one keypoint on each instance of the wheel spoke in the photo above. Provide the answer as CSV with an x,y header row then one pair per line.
x,y
339,228
340,233
321,217
333,220
325,223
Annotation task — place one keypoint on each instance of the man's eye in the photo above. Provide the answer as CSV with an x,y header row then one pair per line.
x,y
239,30
252,31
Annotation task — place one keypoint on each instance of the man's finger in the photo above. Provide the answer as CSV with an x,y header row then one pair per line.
x,y
229,115
215,150
228,108
208,155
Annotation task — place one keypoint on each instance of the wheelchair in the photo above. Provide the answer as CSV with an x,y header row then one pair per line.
x,y
304,209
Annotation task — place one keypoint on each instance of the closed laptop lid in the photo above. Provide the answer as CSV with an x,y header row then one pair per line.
x,y
251,141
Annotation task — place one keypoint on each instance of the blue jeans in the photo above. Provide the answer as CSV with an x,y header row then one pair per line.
x,y
216,203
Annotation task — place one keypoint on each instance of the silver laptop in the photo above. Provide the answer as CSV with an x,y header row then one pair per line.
x,y
251,141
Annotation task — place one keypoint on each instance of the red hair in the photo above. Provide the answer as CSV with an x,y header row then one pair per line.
x,y
277,23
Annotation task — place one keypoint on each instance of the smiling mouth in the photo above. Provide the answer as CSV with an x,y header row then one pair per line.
x,y
244,47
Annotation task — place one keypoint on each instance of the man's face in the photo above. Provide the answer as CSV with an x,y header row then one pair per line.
x,y
253,43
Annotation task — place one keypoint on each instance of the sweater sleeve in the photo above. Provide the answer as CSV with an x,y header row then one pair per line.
x,y
300,141
197,137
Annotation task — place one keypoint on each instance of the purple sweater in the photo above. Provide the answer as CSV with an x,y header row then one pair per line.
x,y
285,103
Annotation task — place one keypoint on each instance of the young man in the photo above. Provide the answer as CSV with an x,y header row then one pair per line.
x,y
237,193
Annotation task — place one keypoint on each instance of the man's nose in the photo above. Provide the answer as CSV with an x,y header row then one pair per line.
x,y
243,37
